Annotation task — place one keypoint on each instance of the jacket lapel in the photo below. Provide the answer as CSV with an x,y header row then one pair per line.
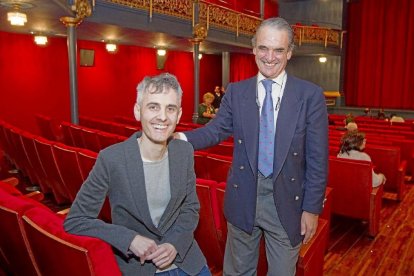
x,y
175,181
250,122
286,124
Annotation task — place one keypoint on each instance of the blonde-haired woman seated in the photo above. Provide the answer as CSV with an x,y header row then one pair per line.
x,y
206,110
352,146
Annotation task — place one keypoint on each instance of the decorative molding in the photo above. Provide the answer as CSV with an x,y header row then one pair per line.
x,y
82,9
317,35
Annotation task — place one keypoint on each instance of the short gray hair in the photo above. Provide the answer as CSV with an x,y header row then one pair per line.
x,y
158,84
278,23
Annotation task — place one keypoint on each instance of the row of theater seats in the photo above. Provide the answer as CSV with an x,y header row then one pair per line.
x,y
33,242
406,146
88,138
351,181
211,232
57,168
211,164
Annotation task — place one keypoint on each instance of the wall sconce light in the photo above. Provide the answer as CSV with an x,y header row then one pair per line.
x,y
40,40
15,17
161,52
161,58
322,59
111,47
200,56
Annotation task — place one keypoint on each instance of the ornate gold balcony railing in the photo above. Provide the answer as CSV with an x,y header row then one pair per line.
x,y
230,20
317,35
210,14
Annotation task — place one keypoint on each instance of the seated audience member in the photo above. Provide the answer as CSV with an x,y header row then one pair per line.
x,y
206,110
396,119
352,146
351,126
381,114
150,183
218,95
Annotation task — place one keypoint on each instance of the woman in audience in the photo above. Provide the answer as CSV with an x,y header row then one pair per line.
x,y
206,110
352,146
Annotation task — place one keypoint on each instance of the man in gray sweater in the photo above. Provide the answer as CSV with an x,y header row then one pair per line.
x,y
150,183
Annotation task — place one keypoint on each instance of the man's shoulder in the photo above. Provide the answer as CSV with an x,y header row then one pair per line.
x,y
301,82
244,82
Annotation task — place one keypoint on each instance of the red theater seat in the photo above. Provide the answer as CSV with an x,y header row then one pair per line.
x,y
48,128
68,167
47,159
59,253
77,136
218,167
206,233
352,194
16,253
200,164
66,134
28,144
90,137
87,159
387,160
224,148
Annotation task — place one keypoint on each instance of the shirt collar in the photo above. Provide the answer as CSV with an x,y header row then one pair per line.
x,y
279,79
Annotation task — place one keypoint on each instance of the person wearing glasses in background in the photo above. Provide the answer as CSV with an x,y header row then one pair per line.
x,y
277,181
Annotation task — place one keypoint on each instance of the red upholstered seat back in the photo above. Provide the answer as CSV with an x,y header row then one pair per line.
x,y
68,167
386,159
59,253
77,136
90,137
15,251
200,164
218,167
28,143
206,232
351,181
224,148
45,153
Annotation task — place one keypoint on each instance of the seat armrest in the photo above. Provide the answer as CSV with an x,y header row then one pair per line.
x,y
37,195
11,180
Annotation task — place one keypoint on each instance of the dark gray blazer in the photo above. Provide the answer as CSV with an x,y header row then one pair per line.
x,y
118,173
301,152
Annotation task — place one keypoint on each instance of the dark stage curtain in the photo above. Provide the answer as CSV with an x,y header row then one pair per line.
x,y
379,69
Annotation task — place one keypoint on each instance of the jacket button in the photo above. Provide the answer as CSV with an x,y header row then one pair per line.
x,y
295,154
296,197
241,167
240,141
292,179
235,186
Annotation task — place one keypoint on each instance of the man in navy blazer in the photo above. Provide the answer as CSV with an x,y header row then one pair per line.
x,y
285,205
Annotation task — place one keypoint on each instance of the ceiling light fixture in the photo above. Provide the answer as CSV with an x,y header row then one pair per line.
x,y
16,17
111,47
40,40
161,52
200,56
322,59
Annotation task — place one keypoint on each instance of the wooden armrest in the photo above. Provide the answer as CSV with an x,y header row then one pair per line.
x,y
38,196
63,212
11,180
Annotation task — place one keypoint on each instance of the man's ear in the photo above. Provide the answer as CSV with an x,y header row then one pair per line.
x,y
137,113
180,112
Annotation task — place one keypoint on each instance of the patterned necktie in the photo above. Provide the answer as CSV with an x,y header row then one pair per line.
x,y
267,133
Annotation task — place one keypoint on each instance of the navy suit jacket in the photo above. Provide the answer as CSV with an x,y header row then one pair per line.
x,y
301,152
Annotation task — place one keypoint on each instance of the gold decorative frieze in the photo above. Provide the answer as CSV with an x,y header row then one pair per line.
x,y
177,8
228,19
317,35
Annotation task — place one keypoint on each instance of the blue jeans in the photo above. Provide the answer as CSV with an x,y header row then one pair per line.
x,y
179,272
